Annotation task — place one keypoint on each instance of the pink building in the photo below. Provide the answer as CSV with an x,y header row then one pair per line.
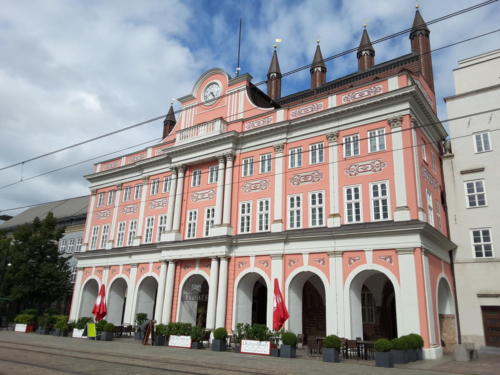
x,y
335,191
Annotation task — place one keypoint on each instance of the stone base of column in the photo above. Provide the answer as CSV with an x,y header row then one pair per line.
x,y
422,216
277,226
137,241
84,248
402,213
170,236
221,230
333,221
434,352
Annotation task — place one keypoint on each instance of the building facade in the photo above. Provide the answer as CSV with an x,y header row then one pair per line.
x,y
471,179
335,191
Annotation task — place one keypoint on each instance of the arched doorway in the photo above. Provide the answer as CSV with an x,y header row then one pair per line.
x,y
194,300
373,306
251,300
146,297
89,296
117,298
307,305
446,311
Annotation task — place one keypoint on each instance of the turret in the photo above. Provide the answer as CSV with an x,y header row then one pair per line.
x,y
274,77
169,122
318,69
421,45
366,53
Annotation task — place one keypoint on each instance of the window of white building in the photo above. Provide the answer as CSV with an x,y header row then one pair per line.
x,y
380,201
295,157
62,245
316,209
71,246
482,244
104,236
132,229
430,209
265,163
294,211
93,239
138,191
316,153
475,194
196,178
148,236
126,193
263,215
162,226
352,201
209,220
245,216
247,167
376,140
121,234
482,142
192,221
167,181
351,145
78,246
73,274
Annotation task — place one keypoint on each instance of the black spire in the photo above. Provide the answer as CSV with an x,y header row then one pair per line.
x,y
365,44
169,122
274,68
318,61
418,25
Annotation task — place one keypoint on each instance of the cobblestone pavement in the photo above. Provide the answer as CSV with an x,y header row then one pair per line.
x,y
37,354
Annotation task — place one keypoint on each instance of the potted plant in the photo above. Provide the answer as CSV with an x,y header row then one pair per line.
x,y
140,319
24,322
331,349
399,348
99,327
108,331
80,326
383,355
45,323
419,343
289,345
257,340
413,344
160,335
196,336
219,341
61,326
180,335
238,335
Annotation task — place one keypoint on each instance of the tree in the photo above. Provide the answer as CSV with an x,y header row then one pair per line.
x,y
38,276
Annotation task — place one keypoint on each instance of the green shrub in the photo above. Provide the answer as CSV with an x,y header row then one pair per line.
x,y
62,322
413,342
108,327
71,325
99,326
220,333
31,312
399,343
179,329
382,345
419,341
289,338
25,319
46,321
82,322
260,332
140,318
196,333
332,341
161,330
239,332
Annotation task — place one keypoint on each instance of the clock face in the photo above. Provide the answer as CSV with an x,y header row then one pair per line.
x,y
211,93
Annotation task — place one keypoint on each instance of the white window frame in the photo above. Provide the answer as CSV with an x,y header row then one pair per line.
x,y
95,237
155,186
111,197
482,243
316,209
192,221
148,233
78,245
63,245
245,221
73,274
351,145
475,194
316,153
423,147
162,226
100,199
167,182
104,236
196,178
120,237
357,204
295,157
265,163
376,138
132,232
213,173
430,207
209,220
295,211
138,191
247,167
438,214
380,199
126,193
433,160
367,305
263,215
481,139
71,246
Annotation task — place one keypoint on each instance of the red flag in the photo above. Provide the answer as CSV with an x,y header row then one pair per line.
x,y
100,310
280,313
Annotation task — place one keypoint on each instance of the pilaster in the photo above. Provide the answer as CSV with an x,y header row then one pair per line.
x,y
409,320
222,294
277,223
161,293
169,293
142,206
333,170
212,293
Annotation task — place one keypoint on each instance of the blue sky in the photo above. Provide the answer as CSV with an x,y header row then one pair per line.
x,y
71,70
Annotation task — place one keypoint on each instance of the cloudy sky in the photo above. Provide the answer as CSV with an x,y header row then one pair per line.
x,y
72,70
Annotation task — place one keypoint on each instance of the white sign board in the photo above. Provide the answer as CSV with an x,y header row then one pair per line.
x,y
256,347
21,327
180,341
78,333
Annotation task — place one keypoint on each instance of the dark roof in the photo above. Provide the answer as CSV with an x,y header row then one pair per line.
x,y
418,24
274,67
170,118
365,44
318,59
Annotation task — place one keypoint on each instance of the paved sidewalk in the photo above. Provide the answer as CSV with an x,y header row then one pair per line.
x,y
127,351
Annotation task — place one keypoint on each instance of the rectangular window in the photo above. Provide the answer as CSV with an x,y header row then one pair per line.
x,y
213,173
438,215
266,163
380,201
155,184
352,198
351,145
263,215
93,240
209,220
424,151
316,153
191,228
104,236
482,243
376,140
245,217
132,229
196,178
111,197
71,246
294,211
482,142
433,161
247,167
121,234
430,209
148,236
100,199
475,194
62,246
162,226
73,274
126,193
78,246
167,180
316,208
295,157
138,191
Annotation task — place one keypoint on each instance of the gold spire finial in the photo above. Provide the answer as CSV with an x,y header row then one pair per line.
x,y
365,25
317,41
416,5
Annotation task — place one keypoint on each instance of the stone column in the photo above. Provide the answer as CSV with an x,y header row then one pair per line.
x,y
75,299
337,292
88,223
161,293
112,230
279,160
407,313
129,317
169,293
212,293
219,192
171,201
422,215
220,320
140,222
428,296
333,169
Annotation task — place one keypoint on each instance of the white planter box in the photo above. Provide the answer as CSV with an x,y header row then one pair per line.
x,y
180,341
78,333
20,327
255,347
